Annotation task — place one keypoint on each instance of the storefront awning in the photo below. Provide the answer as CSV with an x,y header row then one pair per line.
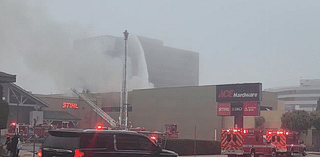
x,y
59,116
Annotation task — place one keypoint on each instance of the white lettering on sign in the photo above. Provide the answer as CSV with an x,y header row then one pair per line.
x,y
224,109
250,108
245,95
237,109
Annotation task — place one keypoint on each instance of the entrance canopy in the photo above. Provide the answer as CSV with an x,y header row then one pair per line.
x,y
59,116
16,95
7,78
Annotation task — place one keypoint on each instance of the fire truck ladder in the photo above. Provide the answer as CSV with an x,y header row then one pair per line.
x,y
96,108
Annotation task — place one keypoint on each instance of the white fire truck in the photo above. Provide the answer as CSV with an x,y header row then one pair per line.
x,y
286,142
242,142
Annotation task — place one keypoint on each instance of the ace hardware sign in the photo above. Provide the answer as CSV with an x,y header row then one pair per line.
x,y
239,99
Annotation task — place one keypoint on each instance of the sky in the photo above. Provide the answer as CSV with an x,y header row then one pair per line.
x,y
272,42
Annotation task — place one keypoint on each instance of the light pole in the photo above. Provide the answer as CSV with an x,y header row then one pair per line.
x,y
124,95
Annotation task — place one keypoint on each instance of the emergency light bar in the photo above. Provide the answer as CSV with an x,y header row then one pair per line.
x,y
244,131
153,138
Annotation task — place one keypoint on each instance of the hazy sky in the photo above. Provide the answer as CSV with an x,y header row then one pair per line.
x,y
272,42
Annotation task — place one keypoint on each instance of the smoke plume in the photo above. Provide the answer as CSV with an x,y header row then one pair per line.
x,y
34,46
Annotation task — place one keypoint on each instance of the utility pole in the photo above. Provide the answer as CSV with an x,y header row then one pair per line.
x,y
124,96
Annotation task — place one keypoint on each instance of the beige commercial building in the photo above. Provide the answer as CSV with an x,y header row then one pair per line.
x,y
193,109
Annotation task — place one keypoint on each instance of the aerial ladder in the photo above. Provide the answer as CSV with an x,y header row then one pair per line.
x,y
96,108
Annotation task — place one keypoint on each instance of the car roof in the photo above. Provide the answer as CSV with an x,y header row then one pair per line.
x,y
84,131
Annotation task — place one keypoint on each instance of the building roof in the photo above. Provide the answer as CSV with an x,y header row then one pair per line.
x,y
59,116
18,91
7,78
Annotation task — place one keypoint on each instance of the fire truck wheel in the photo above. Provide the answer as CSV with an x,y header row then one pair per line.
x,y
273,153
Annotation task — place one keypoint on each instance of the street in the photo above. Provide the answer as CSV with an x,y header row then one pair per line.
x,y
28,148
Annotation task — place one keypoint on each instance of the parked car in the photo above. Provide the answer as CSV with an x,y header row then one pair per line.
x,y
100,143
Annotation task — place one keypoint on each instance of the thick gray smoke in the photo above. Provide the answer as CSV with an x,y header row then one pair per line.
x,y
39,46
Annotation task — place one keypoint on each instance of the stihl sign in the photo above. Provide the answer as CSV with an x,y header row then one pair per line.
x,y
239,92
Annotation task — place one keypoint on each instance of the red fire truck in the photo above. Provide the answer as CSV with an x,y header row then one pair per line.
x,y
159,137
241,142
26,131
21,128
286,142
172,131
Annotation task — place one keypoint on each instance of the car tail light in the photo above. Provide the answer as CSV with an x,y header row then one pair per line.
x,y
40,152
287,133
78,153
269,132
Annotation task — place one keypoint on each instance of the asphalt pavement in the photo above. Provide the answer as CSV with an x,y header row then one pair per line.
x,y
28,148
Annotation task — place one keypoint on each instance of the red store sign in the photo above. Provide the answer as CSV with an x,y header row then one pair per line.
x,y
224,109
250,108
69,105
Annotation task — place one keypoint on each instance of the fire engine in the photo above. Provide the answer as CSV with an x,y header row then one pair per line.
x,y
286,142
26,131
21,128
245,141
172,131
157,136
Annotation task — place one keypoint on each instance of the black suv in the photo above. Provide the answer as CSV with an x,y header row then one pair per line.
x,y
100,143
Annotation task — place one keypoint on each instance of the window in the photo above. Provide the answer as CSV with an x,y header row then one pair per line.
x,y
273,138
132,142
278,138
174,128
96,141
228,137
234,138
62,140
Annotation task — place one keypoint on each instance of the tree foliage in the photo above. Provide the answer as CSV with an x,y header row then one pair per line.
x,y
259,122
286,120
297,120
315,119
318,105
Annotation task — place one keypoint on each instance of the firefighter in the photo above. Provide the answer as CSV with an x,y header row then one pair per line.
x,y
14,143
8,145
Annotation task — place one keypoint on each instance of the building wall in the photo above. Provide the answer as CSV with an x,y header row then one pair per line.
x,y
170,67
167,67
88,117
302,97
273,117
269,99
191,108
